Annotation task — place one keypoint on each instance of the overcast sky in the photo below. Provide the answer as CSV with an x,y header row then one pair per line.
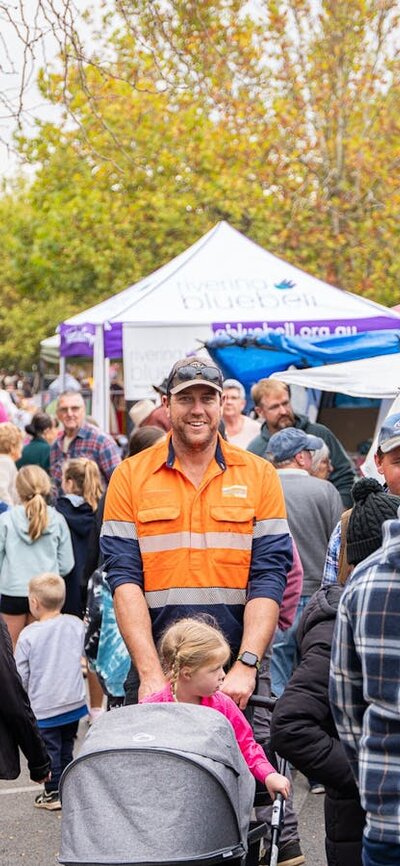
x,y
24,18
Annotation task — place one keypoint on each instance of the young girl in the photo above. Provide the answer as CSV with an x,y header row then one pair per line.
x,y
78,503
33,539
82,490
193,655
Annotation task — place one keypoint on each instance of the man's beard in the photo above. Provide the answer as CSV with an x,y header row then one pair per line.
x,y
285,421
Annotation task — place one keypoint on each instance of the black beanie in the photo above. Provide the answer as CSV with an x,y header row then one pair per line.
x,y
372,506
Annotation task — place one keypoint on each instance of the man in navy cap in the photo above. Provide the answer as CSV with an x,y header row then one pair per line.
x,y
313,507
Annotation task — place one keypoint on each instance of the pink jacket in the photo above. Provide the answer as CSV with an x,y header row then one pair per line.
x,y
252,752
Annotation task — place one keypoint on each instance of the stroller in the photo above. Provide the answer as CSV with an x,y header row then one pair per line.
x,y
159,784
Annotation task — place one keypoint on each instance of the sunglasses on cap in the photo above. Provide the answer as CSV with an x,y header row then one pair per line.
x,y
193,372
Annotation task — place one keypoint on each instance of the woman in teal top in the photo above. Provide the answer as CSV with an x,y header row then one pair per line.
x,y
43,429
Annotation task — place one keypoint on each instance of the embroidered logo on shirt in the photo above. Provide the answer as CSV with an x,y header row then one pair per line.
x,y
238,490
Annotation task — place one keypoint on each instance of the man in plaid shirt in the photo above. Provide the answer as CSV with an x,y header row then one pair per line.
x,y
365,692
80,439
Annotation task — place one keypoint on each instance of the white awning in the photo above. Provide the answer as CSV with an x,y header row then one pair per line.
x,y
377,377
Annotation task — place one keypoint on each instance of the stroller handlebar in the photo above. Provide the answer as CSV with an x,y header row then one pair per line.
x,y
262,701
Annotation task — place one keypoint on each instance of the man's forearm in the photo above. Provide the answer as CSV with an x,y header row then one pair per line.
x,y
135,626
259,624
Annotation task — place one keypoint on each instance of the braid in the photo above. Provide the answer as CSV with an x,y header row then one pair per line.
x,y
174,675
189,643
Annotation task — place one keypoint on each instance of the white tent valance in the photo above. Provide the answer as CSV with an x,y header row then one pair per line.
x,y
377,377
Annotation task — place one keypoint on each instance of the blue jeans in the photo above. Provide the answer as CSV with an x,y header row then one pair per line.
x,y
380,853
60,745
284,651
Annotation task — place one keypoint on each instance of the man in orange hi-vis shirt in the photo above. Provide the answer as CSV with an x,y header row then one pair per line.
x,y
195,525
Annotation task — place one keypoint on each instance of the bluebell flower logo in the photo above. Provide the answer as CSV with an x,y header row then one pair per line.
x,y
284,285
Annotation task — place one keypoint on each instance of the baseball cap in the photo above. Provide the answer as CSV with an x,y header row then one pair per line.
x,y
193,371
389,434
288,442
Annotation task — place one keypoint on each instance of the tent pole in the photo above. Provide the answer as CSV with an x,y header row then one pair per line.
x,y
106,424
63,371
100,381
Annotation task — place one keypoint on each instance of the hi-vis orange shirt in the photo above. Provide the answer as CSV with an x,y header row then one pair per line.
x,y
197,550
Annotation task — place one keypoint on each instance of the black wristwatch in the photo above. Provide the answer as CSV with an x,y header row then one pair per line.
x,y
249,659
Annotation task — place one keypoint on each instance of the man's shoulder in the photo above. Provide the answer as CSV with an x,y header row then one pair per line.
x,y
301,485
314,427
259,443
235,455
90,432
382,563
323,488
145,462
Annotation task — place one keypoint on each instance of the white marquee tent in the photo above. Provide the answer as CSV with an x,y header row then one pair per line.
x,y
222,284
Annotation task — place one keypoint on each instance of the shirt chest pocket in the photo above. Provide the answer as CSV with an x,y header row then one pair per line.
x,y
232,533
157,513
159,536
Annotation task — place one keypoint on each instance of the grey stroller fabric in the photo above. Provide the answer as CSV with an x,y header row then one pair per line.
x,y
156,783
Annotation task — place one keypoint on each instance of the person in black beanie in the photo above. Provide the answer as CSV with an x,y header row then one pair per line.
x,y
302,728
372,506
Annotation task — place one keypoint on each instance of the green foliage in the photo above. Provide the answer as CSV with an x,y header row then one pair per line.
x,y
285,124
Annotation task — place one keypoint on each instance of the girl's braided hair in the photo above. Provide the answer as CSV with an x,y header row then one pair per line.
x,y
191,643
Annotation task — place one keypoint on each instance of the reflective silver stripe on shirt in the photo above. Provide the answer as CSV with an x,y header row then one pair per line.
x,y
274,526
119,528
197,595
195,541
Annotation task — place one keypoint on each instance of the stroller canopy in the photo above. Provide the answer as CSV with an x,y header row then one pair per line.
x,y
156,783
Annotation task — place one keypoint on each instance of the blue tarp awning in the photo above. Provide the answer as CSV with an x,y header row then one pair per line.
x,y
252,358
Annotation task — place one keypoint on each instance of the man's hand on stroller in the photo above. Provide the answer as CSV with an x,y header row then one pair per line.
x,y
240,683
151,684
275,784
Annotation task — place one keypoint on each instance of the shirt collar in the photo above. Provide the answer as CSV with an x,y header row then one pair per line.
x,y
81,434
219,455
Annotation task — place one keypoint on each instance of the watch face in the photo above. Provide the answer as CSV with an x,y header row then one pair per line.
x,y
248,658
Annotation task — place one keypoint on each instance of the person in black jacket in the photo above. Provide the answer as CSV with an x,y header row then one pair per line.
x,y
18,728
302,728
78,503
303,731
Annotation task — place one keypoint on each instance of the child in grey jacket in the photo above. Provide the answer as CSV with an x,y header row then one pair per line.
x,y
48,657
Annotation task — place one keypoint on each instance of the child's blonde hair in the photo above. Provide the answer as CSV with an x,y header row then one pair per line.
x,y
191,643
48,589
33,487
85,475
10,437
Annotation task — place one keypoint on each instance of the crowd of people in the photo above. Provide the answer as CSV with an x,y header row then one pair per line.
x,y
242,554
